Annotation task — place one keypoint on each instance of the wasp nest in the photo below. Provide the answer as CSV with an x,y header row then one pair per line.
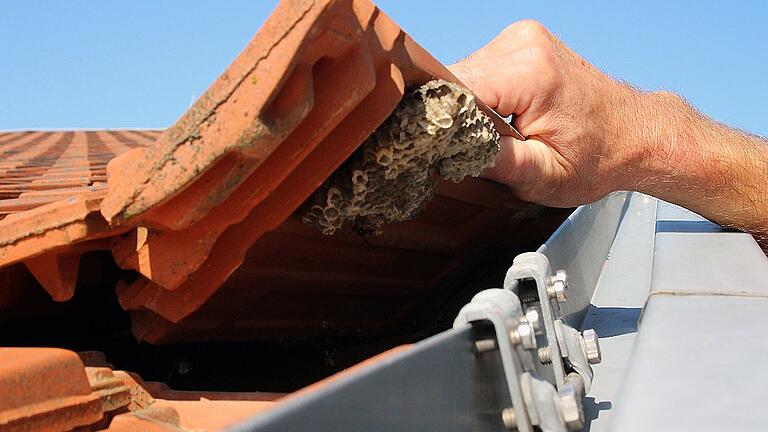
x,y
436,129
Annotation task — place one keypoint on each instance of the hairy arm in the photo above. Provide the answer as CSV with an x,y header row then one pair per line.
x,y
710,168
589,135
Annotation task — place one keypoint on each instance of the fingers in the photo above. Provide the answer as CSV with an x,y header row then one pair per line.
x,y
517,164
559,102
531,169
473,77
520,73
516,72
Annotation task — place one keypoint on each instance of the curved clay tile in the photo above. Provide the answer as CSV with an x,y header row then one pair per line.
x,y
208,211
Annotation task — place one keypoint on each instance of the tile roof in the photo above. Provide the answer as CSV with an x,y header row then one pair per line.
x,y
187,207
51,184
39,167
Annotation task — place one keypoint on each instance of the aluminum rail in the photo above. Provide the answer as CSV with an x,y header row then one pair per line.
x,y
437,384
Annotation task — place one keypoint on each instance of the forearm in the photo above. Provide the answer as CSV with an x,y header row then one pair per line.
x,y
714,170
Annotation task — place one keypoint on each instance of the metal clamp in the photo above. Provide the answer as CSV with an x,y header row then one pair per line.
x,y
535,401
563,342
581,350
502,310
533,280
534,267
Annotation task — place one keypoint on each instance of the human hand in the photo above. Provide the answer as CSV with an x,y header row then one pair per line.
x,y
581,125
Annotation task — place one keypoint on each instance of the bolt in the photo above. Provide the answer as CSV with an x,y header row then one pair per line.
x,y
485,345
524,335
569,405
562,277
545,355
558,285
533,317
509,419
591,346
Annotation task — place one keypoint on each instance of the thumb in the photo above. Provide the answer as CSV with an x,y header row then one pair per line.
x,y
522,165
474,79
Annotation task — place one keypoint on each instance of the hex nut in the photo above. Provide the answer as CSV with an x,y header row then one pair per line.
x,y
509,418
558,286
534,319
569,405
592,346
557,291
524,335
562,276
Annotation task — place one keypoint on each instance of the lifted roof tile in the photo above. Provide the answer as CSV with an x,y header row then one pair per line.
x,y
187,207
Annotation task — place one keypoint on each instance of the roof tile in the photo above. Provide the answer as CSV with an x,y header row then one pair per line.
x,y
186,207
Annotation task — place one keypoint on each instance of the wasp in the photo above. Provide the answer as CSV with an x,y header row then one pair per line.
x,y
366,231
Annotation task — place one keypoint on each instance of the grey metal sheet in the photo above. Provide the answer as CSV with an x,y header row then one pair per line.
x,y
695,363
621,292
717,263
438,384
696,366
676,254
580,246
672,212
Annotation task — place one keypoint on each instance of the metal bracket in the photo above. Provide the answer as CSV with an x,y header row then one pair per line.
x,y
543,402
534,266
501,309
573,348
535,401
563,342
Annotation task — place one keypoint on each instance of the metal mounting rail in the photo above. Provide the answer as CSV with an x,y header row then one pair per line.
x,y
513,361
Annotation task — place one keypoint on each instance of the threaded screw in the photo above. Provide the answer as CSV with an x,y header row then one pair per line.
x,y
545,355
509,418
485,345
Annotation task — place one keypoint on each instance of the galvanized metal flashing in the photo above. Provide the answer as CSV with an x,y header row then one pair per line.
x,y
706,313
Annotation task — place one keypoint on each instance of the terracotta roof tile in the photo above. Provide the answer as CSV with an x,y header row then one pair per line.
x,y
311,85
35,164
51,185
188,206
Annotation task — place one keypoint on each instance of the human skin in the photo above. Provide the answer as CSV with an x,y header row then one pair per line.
x,y
589,135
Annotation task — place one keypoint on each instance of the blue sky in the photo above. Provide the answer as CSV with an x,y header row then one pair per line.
x,y
100,64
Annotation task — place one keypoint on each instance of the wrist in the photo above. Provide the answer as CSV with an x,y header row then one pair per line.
x,y
635,136
668,151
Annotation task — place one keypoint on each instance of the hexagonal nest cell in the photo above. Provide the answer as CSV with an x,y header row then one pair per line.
x,y
437,131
